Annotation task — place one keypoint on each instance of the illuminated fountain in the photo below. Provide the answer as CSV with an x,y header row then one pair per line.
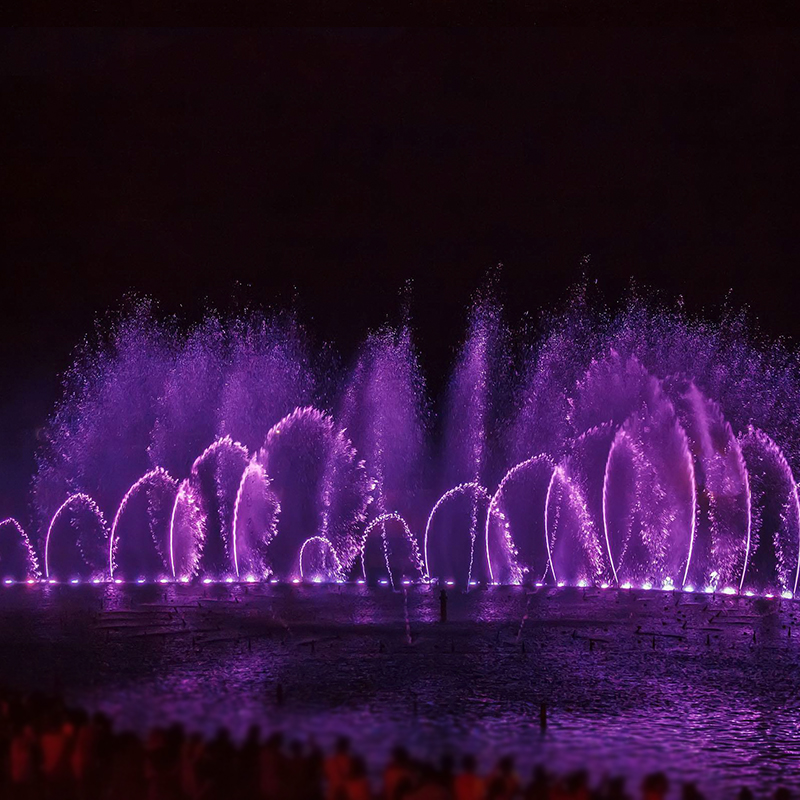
x,y
610,449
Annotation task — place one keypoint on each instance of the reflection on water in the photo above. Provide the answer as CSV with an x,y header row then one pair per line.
x,y
634,681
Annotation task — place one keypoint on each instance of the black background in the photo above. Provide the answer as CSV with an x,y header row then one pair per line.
x,y
328,166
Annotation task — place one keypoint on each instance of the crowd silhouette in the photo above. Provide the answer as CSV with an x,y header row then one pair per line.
x,y
57,753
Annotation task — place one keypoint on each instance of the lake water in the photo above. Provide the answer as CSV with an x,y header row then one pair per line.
x,y
703,687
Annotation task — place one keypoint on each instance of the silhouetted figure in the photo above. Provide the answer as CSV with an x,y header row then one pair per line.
x,y
315,764
248,757
272,768
745,794
655,786
446,772
357,784
496,790
468,785
539,787
397,771
298,780
337,770
691,792
616,789
429,786
504,777
443,605
543,716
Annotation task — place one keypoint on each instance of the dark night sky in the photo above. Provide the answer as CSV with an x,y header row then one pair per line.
x,y
335,164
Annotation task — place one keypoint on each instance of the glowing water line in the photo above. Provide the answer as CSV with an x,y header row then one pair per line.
x,y
693,524
494,502
462,488
797,512
605,513
253,468
749,499
78,497
547,526
182,491
331,550
178,497
158,473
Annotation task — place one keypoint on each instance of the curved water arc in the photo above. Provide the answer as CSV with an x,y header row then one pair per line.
x,y
493,503
461,488
330,548
74,498
157,473
391,516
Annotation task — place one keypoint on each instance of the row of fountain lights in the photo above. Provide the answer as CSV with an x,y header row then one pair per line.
x,y
480,491
668,585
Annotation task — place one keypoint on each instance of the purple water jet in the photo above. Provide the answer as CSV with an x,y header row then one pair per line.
x,y
775,536
322,488
186,533
83,554
144,551
573,539
255,521
17,558
317,562
400,552
516,529
215,479
450,554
